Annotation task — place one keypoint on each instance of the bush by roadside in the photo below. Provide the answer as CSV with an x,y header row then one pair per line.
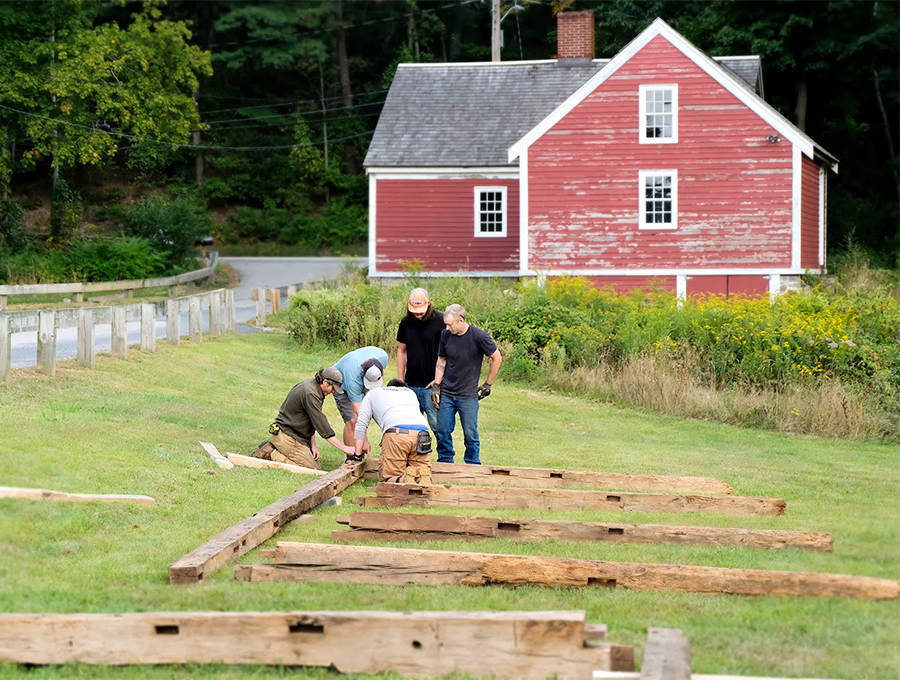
x,y
823,361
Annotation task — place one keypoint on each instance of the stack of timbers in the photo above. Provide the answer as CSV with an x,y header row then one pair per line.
x,y
311,562
401,495
386,526
420,644
503,475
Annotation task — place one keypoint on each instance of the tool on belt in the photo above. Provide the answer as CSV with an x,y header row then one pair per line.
x,y
423,443
274,428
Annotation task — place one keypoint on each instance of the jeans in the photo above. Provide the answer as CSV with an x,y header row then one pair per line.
x,y
467,408
431,413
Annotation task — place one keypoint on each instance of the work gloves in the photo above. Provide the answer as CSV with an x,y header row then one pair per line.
x,y
484,390
436,395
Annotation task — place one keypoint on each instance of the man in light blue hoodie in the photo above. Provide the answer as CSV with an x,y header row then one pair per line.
x,y
363,370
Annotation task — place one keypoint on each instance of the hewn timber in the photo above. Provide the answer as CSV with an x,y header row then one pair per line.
x,y
217,457
667,655
401,495
504,475
227,546
419,644
248,461
400,566
386,526
47,495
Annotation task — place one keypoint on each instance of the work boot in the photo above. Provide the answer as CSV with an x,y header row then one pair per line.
x,y
409,477
424,478
264,451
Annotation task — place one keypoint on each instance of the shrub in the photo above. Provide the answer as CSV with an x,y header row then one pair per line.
x,y
12,227
113,259
66,210
171,226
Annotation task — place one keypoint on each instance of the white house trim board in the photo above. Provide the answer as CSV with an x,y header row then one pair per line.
x,y
796,203
822,186
660,28
523,213
444,173
662,273
373,197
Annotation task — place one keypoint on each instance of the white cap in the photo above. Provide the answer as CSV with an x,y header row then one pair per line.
x,y
372,378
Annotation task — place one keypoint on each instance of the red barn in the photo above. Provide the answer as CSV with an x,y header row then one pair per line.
x,y
662,164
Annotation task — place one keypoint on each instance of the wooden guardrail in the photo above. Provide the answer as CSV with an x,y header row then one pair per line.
x,y
222,316
77,290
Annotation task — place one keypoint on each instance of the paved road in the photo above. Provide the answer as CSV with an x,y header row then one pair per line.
x,y
255,272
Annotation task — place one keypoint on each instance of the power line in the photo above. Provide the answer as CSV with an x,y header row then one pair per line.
x,y
175,145
263,125
303,101
296,113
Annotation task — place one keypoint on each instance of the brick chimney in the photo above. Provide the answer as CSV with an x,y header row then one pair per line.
x,y
575,35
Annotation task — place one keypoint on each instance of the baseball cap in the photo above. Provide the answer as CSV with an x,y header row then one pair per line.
x,y
333,375
418,300
373,373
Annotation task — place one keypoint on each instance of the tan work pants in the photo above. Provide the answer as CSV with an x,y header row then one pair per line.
x,y
289,450
398,452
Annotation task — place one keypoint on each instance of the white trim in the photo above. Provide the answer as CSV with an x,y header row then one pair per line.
x,y
502,172
681,288
774,285
642,214
504,205
732,271
508,274
659,27
373,199
668,273
642,114
822,186
796,204
523,212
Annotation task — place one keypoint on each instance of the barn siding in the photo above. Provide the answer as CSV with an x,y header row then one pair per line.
x,y
626,283
433,220
809,215
734,187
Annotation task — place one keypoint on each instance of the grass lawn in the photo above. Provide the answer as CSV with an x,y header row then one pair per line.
x,y
133,427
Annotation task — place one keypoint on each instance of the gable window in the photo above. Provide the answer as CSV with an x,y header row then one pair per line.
x,y
490,211
658,199
659,114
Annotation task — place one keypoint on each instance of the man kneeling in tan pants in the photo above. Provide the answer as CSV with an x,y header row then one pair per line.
x,y
406,442
299,419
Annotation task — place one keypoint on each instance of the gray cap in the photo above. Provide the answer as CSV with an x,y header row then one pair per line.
x,y
332,375
373,372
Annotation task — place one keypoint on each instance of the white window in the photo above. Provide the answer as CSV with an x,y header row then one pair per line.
x,y
659,114
490,211
658,199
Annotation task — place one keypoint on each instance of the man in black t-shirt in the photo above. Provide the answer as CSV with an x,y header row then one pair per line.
x,y
418,337
455,388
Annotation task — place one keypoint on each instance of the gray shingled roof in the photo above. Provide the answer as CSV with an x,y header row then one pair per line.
x,y
441,115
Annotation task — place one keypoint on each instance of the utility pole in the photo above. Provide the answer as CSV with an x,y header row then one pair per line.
x,y
495,31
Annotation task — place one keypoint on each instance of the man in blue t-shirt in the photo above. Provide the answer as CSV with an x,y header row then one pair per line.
x,y
362,370
455,389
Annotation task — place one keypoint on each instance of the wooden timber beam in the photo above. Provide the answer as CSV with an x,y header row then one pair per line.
x,y
47,495
401,495
248,462
386,526
667,655
533,645
505,475
400,566
216,457
229,545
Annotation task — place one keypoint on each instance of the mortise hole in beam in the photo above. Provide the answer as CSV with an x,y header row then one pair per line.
x,y
306,628
614,499
595,582
505,473
416,644
416,492
167,630
508,526
616,530
556,475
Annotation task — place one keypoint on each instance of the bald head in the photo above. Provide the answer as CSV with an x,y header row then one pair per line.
x,y
457,311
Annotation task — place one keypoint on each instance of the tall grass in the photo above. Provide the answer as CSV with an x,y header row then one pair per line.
x,y
824,360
